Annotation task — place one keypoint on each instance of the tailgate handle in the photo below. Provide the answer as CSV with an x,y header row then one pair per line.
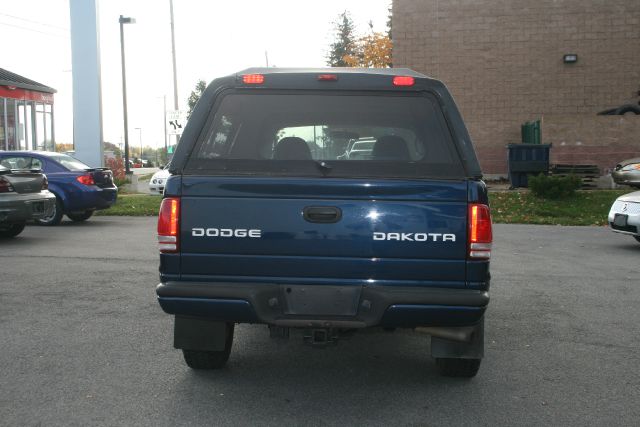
x,y
322,214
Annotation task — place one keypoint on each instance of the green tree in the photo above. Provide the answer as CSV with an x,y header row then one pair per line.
x,y
195,95
389,21
344,41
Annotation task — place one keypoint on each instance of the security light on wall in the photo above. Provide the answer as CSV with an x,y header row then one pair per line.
x,y
570,58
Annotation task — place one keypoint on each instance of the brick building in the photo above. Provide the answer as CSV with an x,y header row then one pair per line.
x,y
503,60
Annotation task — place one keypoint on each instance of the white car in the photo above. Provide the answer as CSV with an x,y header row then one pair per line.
x,y
158,180
624,216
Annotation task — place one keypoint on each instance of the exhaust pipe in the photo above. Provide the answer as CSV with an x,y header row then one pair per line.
x,y
461,334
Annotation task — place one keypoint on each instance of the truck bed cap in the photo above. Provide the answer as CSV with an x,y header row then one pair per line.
x,y
336,70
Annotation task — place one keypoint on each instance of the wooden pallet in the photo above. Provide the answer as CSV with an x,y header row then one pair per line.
x,y
588,173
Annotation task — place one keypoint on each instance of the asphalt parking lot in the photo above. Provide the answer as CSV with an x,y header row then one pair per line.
x,y
83,342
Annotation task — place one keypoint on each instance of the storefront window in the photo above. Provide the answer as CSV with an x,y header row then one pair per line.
x,y
21,128
40,128
11,124
48,128
3,138
30,131
26,125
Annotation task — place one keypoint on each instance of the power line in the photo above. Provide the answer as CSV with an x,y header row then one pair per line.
x,y
34,22
34,30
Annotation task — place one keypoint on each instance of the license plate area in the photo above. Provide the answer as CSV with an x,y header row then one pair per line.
x,y
320,300
620,220
37,207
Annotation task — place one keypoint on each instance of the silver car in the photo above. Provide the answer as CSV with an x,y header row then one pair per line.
x,y
624,216
23,197
627,172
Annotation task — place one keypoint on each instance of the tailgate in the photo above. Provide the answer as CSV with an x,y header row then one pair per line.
x,y
333,231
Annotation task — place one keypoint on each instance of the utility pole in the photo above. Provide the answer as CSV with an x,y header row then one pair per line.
x,y
266,57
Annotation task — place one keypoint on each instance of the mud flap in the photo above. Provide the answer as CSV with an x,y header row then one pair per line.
x,y
474,349
192,333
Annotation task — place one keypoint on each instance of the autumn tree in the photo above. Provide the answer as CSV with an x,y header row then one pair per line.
x,y
372,50
344,41
195,95
62,147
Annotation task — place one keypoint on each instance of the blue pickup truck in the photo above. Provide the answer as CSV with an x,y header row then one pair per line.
x,y
270,216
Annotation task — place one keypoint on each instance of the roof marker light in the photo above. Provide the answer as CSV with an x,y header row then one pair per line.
x,y
403,81
253,79
328,77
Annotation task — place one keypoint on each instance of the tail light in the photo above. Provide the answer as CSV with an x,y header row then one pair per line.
x,y
45,183
480,234
5,186
169,225
86,179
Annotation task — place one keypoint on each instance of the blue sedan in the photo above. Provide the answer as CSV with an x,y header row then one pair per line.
x,y
80,189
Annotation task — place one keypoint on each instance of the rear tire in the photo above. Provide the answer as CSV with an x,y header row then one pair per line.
x,y
460,368
198,359
11,230
55,217
79,217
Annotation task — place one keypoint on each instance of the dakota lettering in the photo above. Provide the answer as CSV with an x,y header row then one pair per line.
x,y
415,237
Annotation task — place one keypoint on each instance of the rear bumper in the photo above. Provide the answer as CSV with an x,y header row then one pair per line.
x,y
94,198
16,208
632,226
364,307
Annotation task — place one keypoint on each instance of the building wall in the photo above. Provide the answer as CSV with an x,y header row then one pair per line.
x,y
503,62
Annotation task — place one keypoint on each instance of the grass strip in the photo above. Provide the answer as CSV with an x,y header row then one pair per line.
x,y
509,207
134,205
584,208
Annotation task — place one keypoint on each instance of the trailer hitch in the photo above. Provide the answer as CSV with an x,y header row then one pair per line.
x,y
320,337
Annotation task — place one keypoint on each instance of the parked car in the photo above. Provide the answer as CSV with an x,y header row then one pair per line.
x,y
80,190
624,216
627,172
361,149
256,227
358,149
158,181
23,197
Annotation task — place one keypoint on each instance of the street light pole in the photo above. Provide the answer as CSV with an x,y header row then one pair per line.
x,y
173,56
124,20
175,72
